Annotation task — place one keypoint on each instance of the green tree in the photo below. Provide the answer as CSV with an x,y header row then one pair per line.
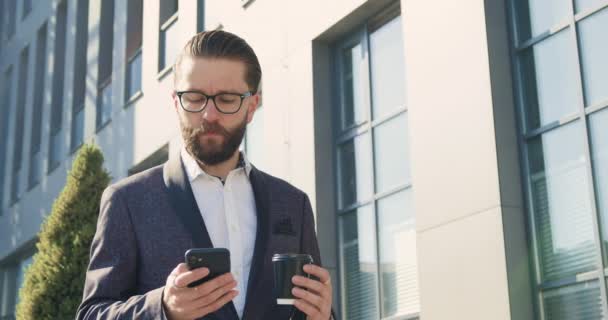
x,y
54,282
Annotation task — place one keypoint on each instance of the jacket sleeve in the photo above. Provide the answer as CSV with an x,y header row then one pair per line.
x,y
309,242
109,289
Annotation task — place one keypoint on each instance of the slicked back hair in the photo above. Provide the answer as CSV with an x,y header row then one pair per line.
x,y
225,45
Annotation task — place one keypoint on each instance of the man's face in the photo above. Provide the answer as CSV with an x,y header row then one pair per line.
x,y
211,136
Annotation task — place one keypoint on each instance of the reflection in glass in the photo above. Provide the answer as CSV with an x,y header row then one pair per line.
x,y
353,108
77,129
594,53
561,203
391,153
169,46
133,76
598,125
105,104
55,154
388,79
582,5
581,301
544,14
34,175
550,88
358,255
398,263
355,170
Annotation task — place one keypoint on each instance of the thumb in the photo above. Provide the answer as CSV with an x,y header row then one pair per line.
x,y
179,269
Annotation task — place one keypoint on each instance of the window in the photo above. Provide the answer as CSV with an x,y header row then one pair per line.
x,y
7,90
55,145
133,54
200,16
27,8
254,138
20,107
104,85
12,276
35,154
564,125
9,18
376,222
80,74
8,273
168,46
21,270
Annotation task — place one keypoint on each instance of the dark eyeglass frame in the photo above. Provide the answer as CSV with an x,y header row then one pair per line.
x,y
212,97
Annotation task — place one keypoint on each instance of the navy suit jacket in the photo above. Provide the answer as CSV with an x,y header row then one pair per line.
x,y
149,220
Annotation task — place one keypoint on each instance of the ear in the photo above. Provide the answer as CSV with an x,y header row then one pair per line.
x,y
252,106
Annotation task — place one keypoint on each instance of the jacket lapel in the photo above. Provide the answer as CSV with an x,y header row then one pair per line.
x,y
253,305
183,202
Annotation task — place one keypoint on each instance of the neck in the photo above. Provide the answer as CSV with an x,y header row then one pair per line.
x,y
222,169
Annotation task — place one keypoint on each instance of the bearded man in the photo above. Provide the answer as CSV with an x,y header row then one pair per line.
x,y
207,195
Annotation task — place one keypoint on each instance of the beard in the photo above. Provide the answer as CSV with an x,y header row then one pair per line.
x,y
212,152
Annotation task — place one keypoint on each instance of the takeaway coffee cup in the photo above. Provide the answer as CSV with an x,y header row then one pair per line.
x,y
286,266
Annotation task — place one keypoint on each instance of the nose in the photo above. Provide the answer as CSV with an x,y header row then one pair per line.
x,y
211,113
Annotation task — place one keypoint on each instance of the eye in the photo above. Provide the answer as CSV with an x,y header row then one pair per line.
x,y
191,97
227,98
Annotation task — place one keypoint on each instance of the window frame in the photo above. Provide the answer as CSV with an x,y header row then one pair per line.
x,y
170,21
131,56
518,47
344,133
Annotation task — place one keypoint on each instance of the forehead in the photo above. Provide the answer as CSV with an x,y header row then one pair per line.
x,y
211,75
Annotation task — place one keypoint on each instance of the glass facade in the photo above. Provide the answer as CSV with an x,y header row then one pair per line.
x,y
376,223
560,59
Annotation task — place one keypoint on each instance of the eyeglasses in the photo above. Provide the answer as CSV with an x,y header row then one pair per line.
x,y
227,103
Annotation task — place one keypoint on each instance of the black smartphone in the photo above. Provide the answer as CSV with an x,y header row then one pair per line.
x,y
217,260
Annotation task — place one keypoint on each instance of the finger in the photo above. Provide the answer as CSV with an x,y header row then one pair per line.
x,y
215,295
206,288
309,309
319,272
217,304
311,284
170,284
183,279
309,297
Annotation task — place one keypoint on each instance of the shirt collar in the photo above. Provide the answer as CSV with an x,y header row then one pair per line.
x,y
193,170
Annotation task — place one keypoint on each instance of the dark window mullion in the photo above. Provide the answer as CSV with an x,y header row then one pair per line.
x,y
519,70
367,75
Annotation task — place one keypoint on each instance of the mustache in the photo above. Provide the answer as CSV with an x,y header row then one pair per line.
x,y
207,127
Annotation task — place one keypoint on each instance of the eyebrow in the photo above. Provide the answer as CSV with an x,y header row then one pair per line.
x,y
219,92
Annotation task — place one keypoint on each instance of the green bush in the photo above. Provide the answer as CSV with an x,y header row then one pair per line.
x,y
54,282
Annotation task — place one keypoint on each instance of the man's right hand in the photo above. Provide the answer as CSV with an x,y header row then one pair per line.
x,y
183,303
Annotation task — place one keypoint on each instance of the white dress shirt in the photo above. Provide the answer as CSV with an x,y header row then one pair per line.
x,y
229,212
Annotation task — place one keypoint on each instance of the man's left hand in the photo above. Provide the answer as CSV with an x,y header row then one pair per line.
x,y
316,302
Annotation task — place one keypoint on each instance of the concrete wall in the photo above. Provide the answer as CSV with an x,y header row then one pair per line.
x,y
465,168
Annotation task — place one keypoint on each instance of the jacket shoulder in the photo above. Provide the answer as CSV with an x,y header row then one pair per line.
x,y
144,181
